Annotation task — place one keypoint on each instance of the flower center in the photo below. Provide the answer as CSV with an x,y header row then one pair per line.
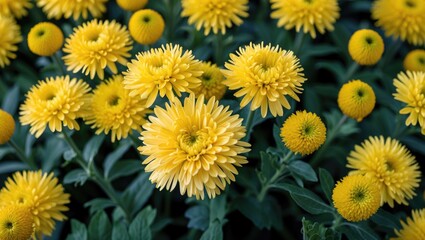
x,y
40,32
358,195
193,143
307,130
389,165
8,225
113,100
206,77
308,1
50,97
146,19
410,4
369,40
421,60
360,93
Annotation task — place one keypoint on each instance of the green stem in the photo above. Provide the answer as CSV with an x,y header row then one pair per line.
x,y
58,63
21,154
249,122
219,46
337,221
80,159
350,72
170,22
299,39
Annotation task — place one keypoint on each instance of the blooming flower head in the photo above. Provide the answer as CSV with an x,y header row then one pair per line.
x,y
415,60
10,37
356,197
16,222
146,26
45,39
14,8
390,166
167,71
54,102
132,5
7,126
96,45
264,76
413,228
111,109
303,132
401,19
410,89
75,8
41,193
194,144
356,99
310,15
366,47
211,82
215,15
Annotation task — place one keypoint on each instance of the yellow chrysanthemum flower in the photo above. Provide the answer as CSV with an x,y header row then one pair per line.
x,y
390,165
211,82
42,193
14,8
415,60
75,8
55,102
194,144
413,228
167,71
356,197
16,222
264,75
146,26
7,126
96,45
132,5
10,37
45,39
215,15
356,99
366,47
309,15
111,109
303,132
410,87
401,19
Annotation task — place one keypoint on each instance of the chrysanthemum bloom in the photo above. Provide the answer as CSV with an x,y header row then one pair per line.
x,y
7,127
390,165
303,132
356,99
401,19
211,82
16,222
132,5
42,193
55,102
265,76
14,8
414,228
167,71
215,15
45,39
410,87
146,26
366,47
415,60
356,197
10,37
111,109
96,45
196,145
75,8
310,15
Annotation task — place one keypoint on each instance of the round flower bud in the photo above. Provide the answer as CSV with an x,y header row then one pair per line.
x,y
132,5
7,126
356,99
366,47
146,26
45,39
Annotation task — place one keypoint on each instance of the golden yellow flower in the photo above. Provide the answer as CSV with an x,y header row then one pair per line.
x,y
41,193
96,45
7,126
75,8
265,76
366,47
401,19
14,8
309,15
413,228
10,37
356,99
167,71
16,222
410,87
215,15
303,132
211,82
111,109
415,60
390,165
45,39
194,144
132,5
146,26
356,197
55,102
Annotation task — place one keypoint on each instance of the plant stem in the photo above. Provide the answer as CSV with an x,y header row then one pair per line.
x,y
249,122
351,70
21,154
170,18
58,63
337,221
299,39
219,48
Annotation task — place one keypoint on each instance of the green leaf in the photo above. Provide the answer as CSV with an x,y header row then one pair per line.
x,y
99,204
316,231
198,217
5,150
92,147
214,231
100,227
77,176
11,100
125,168
303,170
114,156
120,232
69,155
278,139
356,231
8,167
218,208
79,231
140,227
268,166
386,219
52,153
263,214
138,192
319,50
327,183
